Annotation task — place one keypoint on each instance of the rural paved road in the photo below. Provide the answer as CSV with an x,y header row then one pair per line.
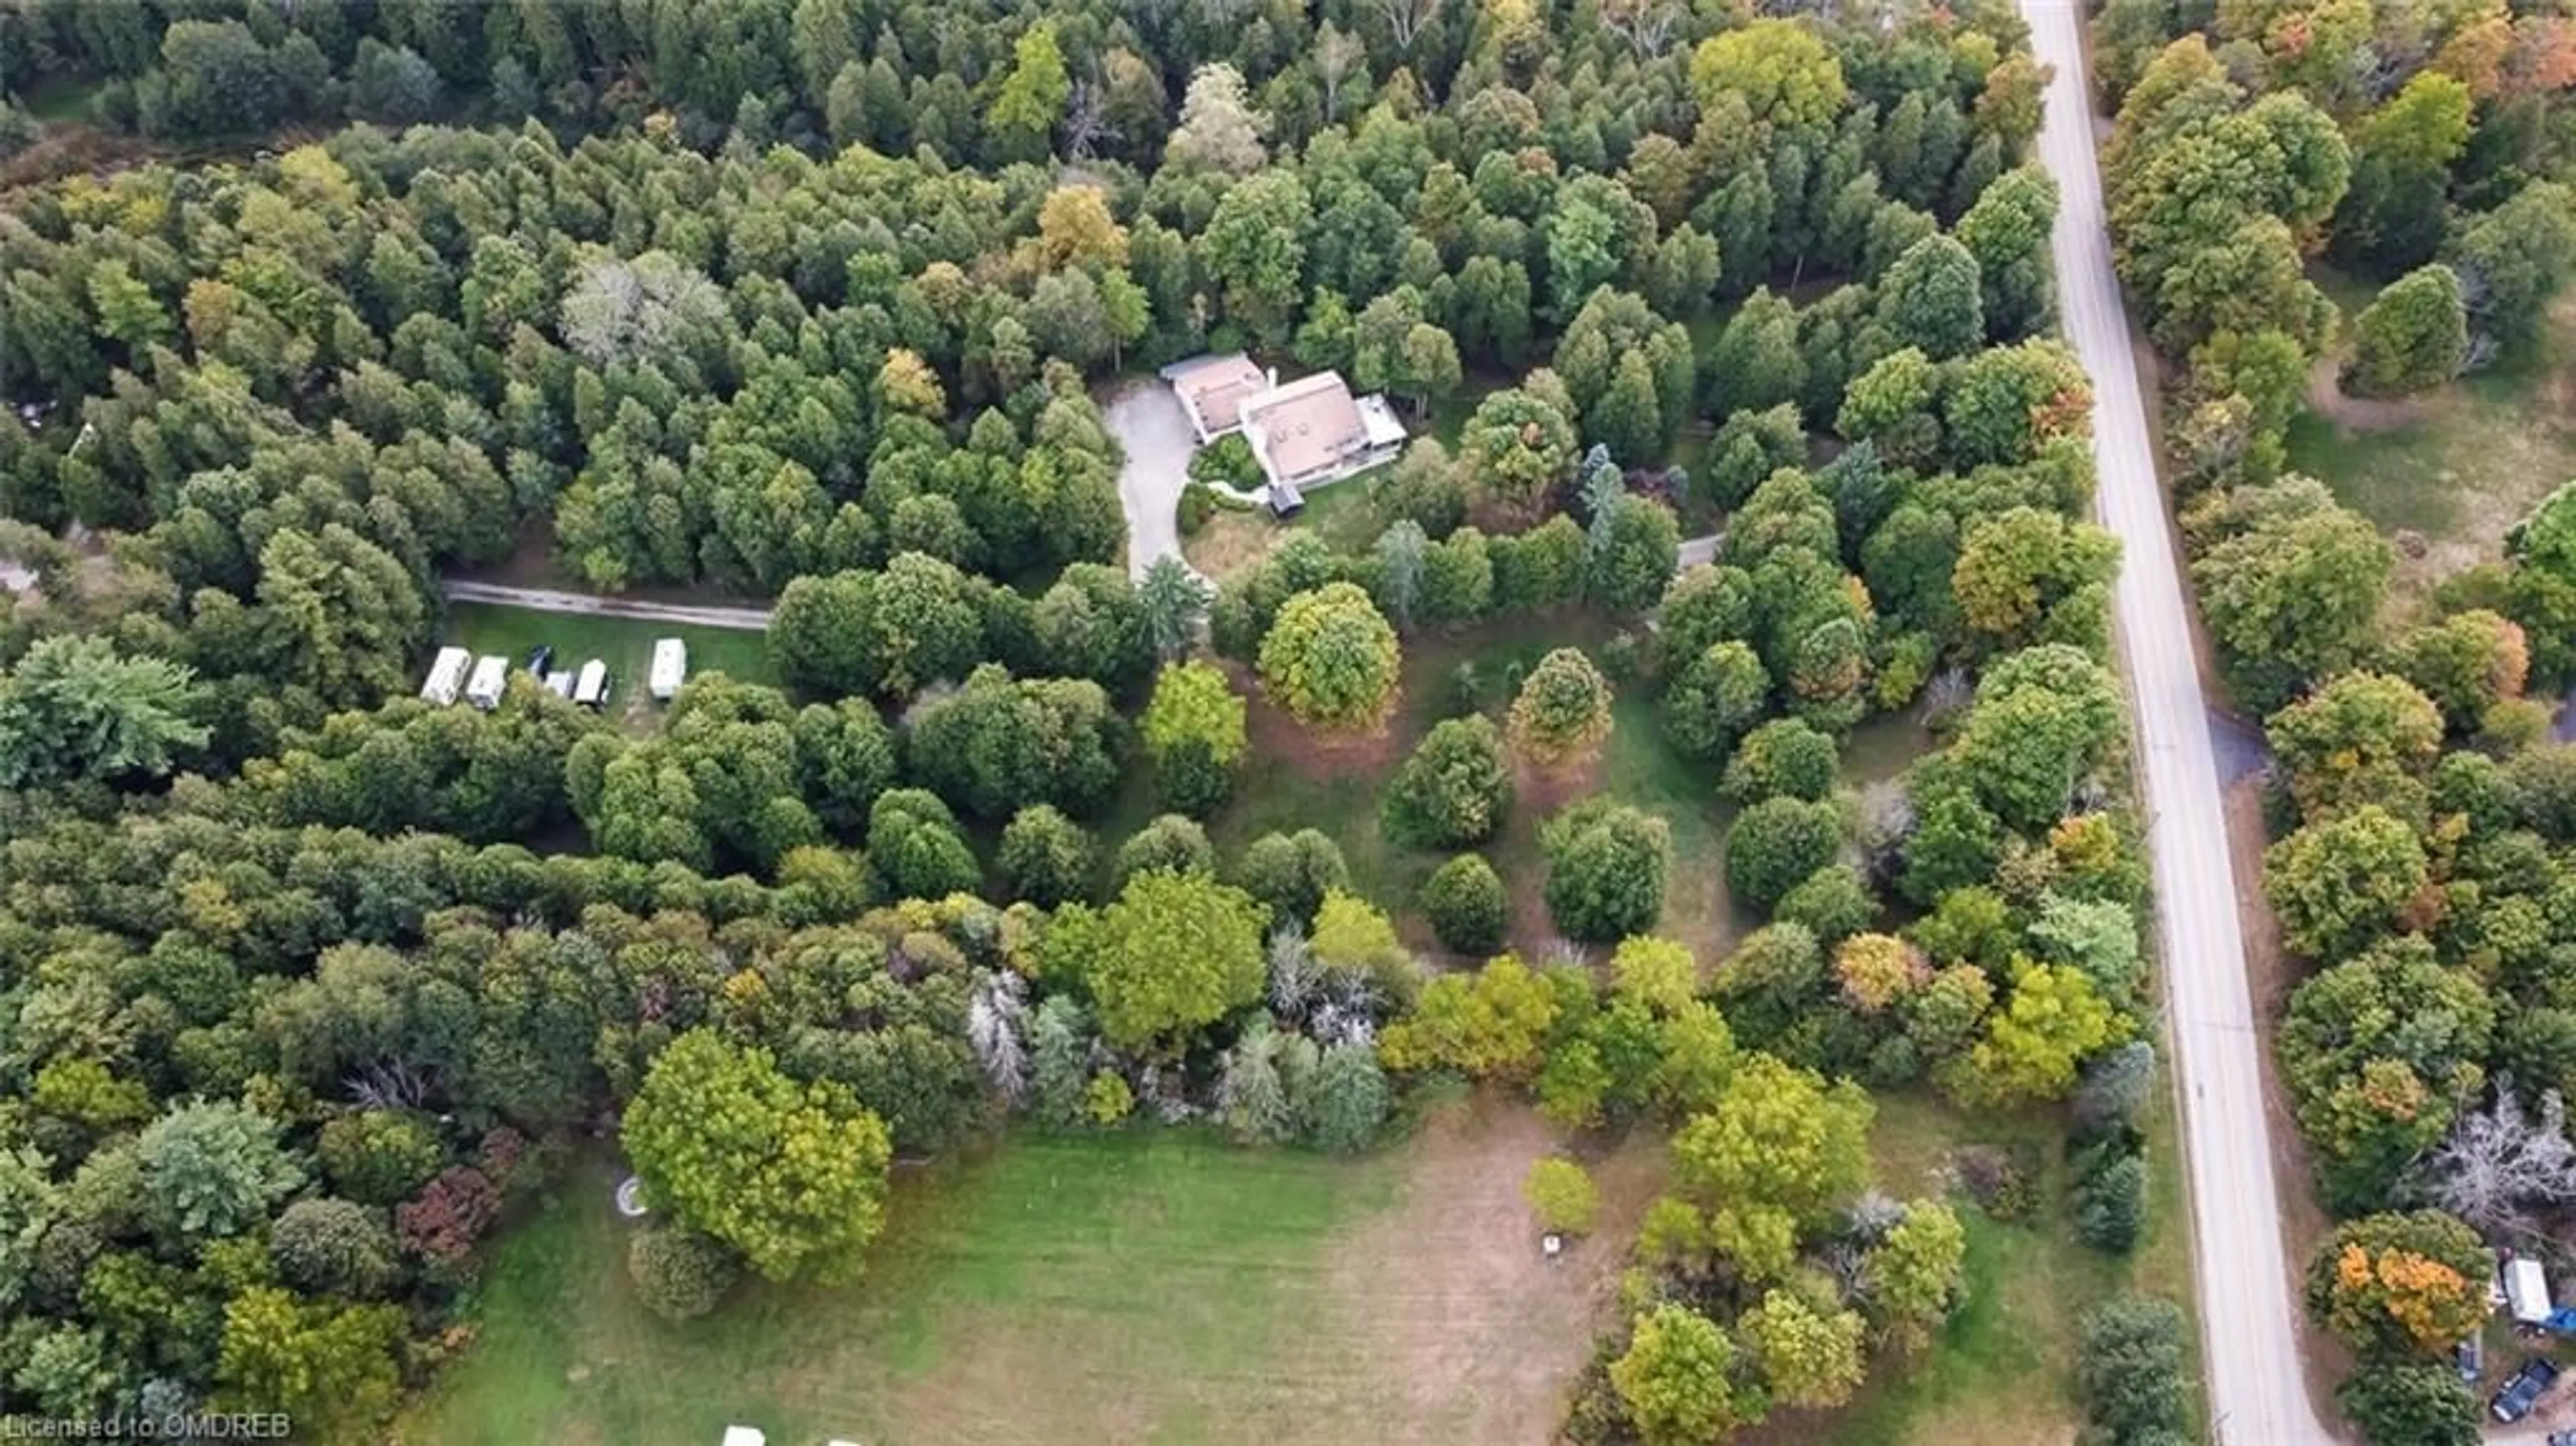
x,y
2249,1328
749,620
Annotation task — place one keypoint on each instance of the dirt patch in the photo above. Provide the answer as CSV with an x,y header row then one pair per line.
x,y
2358,415
1542,791
1453,1296
1275,734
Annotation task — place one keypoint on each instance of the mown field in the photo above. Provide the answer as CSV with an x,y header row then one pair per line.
x,y
1150,1286
1165,1287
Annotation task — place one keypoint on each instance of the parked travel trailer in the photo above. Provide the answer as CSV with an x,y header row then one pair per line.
x,y
446,675
670,668
2526,1290
491,679
560,682
590,690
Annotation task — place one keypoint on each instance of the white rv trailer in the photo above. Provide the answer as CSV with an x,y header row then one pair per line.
x,y
491,679
590,690
670,668
446,675
559,682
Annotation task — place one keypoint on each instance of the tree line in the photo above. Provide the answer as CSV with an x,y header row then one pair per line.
x,y
2415,868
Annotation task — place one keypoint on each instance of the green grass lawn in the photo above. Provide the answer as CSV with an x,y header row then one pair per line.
x,y
626,644
1153,1286
2460,465
1155,1257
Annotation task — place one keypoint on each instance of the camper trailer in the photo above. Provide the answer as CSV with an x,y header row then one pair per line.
x,y
670,668
560,682
590,690
491,678
446,676
2526,1290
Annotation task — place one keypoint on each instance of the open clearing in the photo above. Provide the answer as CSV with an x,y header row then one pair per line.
x,y
1335,785
2462,464
1149,1286
626,644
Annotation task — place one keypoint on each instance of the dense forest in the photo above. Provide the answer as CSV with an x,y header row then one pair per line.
x,y
2419,801
303,982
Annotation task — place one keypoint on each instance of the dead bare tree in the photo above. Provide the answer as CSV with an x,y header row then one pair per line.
x,y
1647,25
2501,1169
1086,121
994,1024
1406,19
382,1086
1337,54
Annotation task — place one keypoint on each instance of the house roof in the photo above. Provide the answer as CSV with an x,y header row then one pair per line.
x,y
1215,388
1309,423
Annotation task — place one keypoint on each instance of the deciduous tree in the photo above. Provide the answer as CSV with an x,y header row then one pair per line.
x,y
792,1175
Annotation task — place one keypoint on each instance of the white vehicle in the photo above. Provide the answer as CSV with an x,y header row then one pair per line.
x,y
2526,1290
590,690
446,676
559,683
491,679
670,668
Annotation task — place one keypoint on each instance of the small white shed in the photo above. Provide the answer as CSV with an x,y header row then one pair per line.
x,y
491,679
446,675
670,668
2526,1290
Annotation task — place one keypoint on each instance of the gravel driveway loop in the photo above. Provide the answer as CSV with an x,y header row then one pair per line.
x,y
1148,421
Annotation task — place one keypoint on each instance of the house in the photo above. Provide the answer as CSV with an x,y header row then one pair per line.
x,y
1213,389
446,676
670,668
1313,431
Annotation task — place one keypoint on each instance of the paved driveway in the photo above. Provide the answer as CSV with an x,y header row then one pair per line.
x,y
1148,421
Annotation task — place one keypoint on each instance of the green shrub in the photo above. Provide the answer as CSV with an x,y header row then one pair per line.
x,y
1776,845
334,1247
1229,460
2131,1368
2417,1404
1198,504
1833,902
1292,872
1606,864
2110,1197
1467,906
1454,790
1562,1195
1171,843
1784,758
679,1273
1045,857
